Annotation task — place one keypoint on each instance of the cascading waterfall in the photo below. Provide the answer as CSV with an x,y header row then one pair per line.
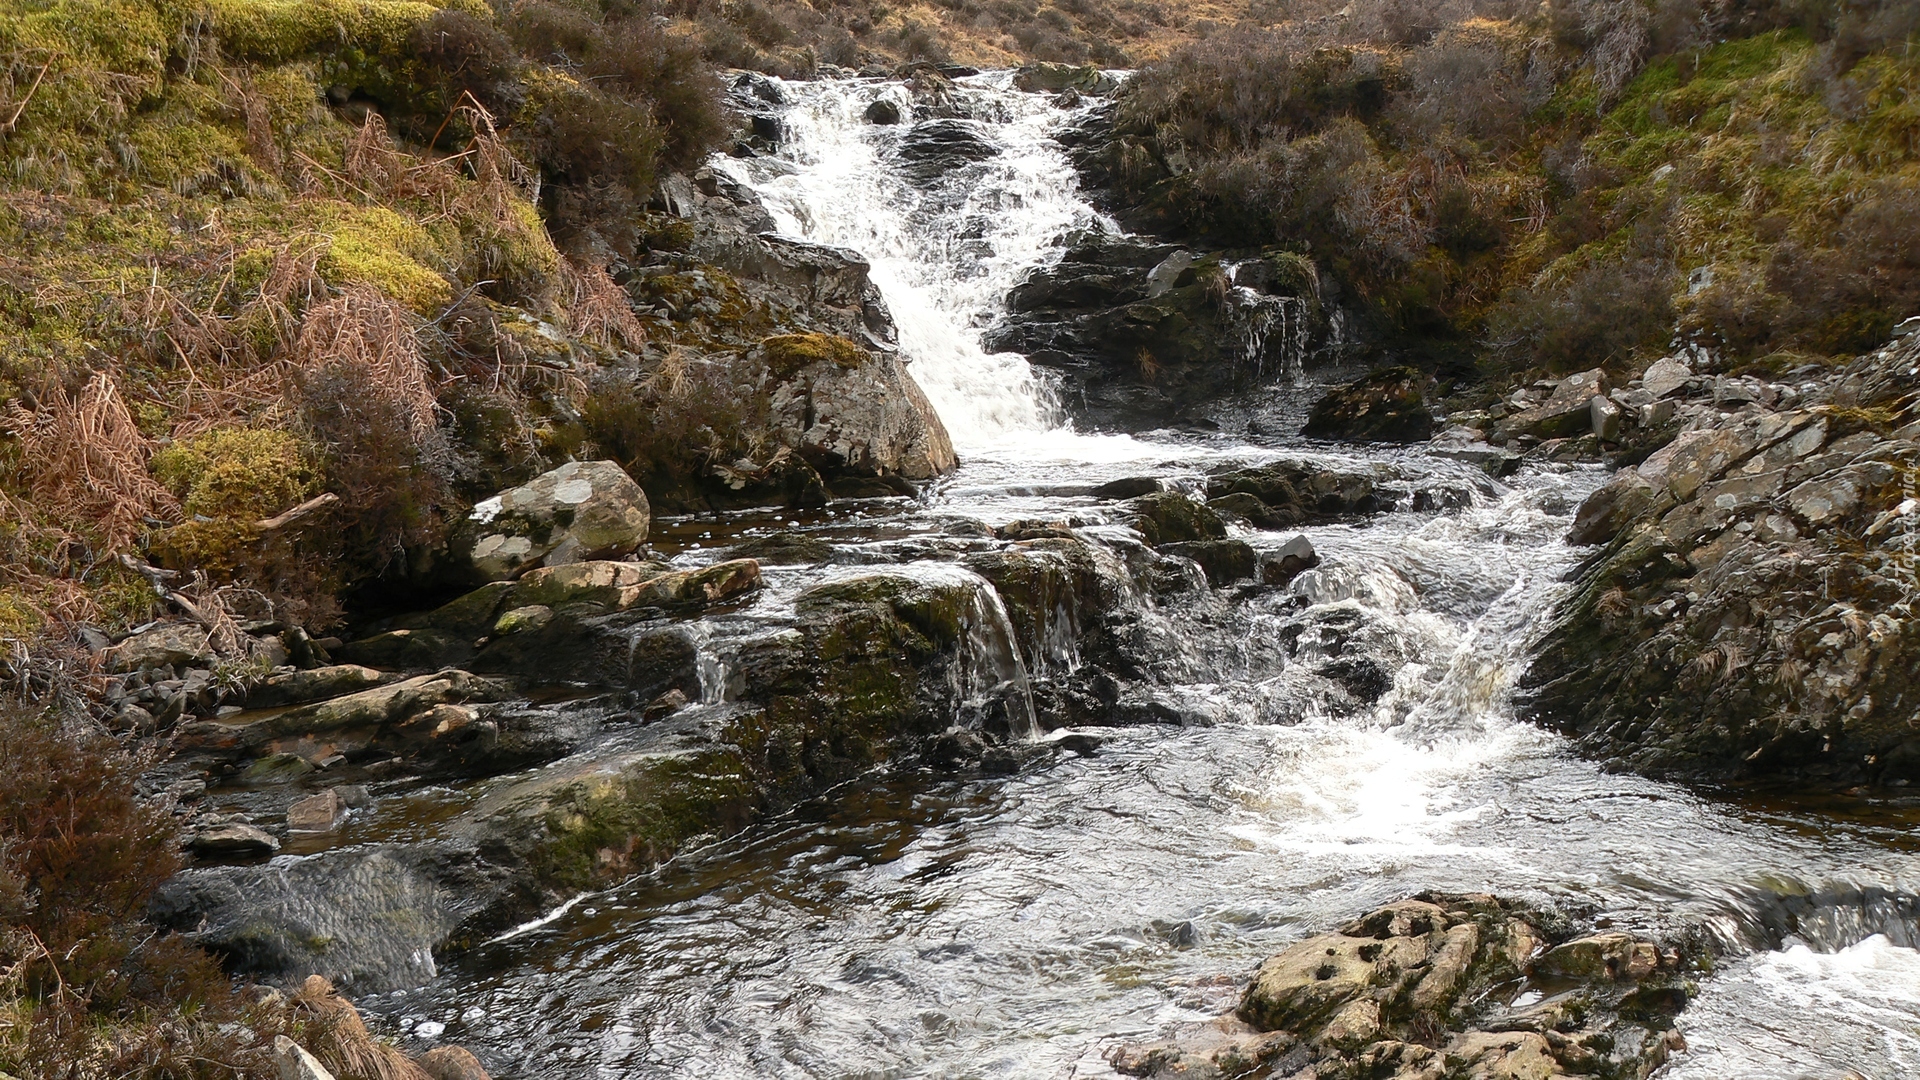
x,y
945,252
1267,324
1018,926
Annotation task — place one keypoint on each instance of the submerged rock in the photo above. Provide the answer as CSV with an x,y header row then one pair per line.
x,y
1442,986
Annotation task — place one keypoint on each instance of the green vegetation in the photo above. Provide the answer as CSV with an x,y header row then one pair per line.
x,y
1562,186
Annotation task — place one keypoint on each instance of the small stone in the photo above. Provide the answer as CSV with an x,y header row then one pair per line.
x,y
670,702
1656,414
1282,566
1606,418
188,790
530,617
317,813
163,646
355,796
1665,376
233,840
277,769
295,1063
883,111
133,718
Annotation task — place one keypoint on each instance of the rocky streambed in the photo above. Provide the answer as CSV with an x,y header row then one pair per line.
x,y
1096,753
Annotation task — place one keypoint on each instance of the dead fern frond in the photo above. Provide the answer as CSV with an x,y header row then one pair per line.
x,y
364,327
87,461
600,311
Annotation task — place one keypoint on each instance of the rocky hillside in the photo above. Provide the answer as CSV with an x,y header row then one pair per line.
x,y
1511,188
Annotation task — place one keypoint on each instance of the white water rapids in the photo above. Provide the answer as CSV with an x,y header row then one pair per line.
x,y
1020,926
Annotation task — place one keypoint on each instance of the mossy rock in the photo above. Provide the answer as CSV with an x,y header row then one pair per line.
x,y
788,353
1224,561
1387,406
236,472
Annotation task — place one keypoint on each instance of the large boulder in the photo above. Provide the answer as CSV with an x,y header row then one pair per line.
x,y
1054,78
847,409
581,510
1386,406
1442,985
932,149
1144,334
1747,615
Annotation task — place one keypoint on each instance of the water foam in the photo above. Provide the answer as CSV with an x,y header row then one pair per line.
x,y
944,253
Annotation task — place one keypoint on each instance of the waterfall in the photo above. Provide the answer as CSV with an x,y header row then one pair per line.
x,y
1262,321
944,251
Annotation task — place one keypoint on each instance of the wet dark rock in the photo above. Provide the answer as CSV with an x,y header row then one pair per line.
x,y
934,148
1361,676
1130,487
753,86
1252,509
1282,565
1224,561
1166,517
1290,493
369,919
1388,405
1742,619
1442,986
883,111
1144,333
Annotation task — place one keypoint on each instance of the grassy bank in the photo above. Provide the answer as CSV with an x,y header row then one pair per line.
x,y
1557,186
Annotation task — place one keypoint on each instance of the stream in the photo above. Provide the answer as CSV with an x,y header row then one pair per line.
x,y
926,925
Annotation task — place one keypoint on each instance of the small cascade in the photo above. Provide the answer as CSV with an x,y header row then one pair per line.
x,y
995,678
1265,325
945,244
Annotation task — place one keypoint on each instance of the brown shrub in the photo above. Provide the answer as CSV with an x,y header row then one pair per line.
x,y
464,54
87,461
648,64
392,478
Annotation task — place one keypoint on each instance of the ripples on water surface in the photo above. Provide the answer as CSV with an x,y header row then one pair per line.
x,y
1018,926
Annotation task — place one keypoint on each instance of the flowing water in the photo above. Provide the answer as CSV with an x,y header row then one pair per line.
x,y
1018,926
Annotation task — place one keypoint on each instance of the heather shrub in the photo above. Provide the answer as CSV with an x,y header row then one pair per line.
x,y
646,63
1600,316
392,477
464,53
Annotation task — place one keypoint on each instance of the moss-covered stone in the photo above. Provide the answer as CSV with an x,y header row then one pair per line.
x,y
788,353
236,472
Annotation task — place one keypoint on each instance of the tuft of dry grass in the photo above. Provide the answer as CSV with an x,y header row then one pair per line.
x,y
600,310
337,1035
